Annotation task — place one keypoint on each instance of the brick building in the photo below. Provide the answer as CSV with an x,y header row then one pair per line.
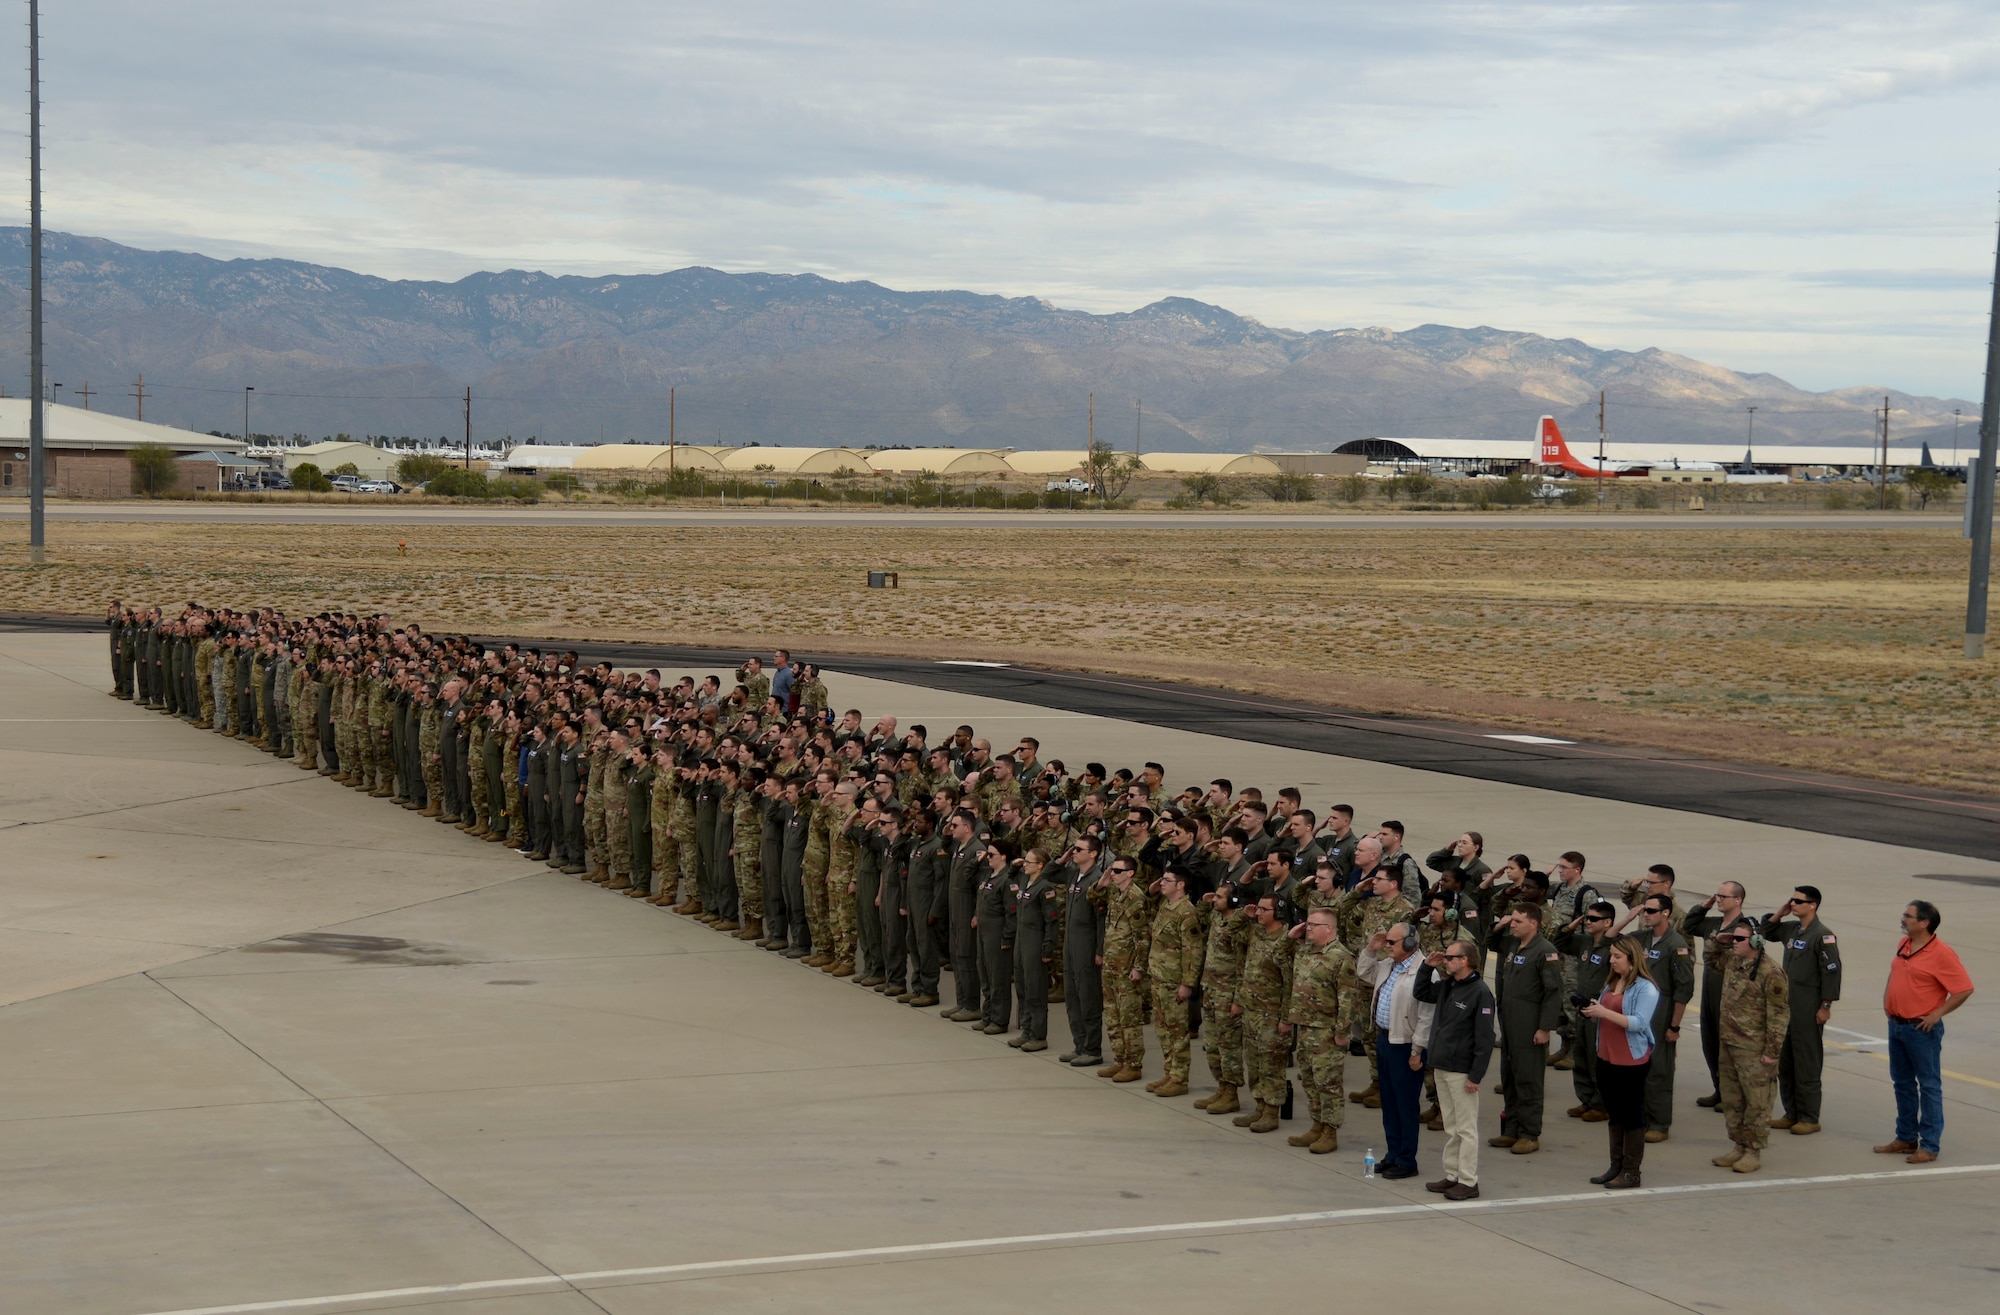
x,y
88,454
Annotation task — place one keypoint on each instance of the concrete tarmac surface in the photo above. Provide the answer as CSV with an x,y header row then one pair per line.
x,y
274,1046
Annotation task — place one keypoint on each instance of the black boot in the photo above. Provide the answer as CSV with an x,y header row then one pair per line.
x,y
1635,1153
1617,1156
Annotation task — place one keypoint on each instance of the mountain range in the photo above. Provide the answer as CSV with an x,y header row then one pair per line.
x,y
799,359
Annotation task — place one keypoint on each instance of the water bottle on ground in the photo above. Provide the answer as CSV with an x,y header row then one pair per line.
x,y
1368,1164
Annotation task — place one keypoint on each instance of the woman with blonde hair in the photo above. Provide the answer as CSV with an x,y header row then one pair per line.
x,y
1624,1017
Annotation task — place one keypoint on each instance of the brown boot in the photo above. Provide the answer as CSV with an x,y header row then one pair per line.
x,y
1308,1137
1246,1118
1635,1155
842,969
429,810
1202,1104
1267,1121
1128,1074
728,924
1171,1089
620,882
1329,1141
1371,1092
1224,1100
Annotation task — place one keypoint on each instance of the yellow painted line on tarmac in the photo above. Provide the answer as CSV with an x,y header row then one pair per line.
x,y
1944,1072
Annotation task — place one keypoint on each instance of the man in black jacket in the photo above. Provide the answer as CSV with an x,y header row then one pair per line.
x,y
1461,1047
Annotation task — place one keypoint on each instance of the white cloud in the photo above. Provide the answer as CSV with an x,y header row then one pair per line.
x,y
1805,188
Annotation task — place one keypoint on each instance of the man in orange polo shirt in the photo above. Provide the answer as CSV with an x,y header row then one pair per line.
x,y
1926,982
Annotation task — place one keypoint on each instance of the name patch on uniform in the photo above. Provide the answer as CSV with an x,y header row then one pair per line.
x,y
1520,958
1652,954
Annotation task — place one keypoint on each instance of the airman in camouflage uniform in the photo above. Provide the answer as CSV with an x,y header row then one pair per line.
x,y
1221,1027
1329,1005
842,853
1756,1015
593,803
1174,963
1262,999
510,780
617,867
1126,946
429,727
749,862
204,680
381,713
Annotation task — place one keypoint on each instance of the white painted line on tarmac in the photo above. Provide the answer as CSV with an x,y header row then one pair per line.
x,y
970,662
1136,1233
1529,739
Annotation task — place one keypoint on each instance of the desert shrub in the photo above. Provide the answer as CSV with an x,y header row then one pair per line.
x,y
308,478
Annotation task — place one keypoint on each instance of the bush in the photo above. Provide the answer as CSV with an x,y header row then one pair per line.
x,y
420,468
155,469
458,482
562,484
1351,488
1286,488
520,490
308,478
346,468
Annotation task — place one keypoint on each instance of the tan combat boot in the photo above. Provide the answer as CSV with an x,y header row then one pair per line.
x,y
1308,1137
1128,1074
1168,1090
1729,1158
1750,1161
1246,1118
1371,1092
1224,1100
841,969
1329,1141
1267,1121
620,882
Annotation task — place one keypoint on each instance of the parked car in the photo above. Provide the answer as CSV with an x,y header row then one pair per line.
x,y
1071,485
346,483
376,486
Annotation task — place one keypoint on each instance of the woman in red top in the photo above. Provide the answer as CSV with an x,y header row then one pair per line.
x,y
1624,1015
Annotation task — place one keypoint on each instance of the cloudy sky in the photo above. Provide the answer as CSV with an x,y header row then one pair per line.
x,y
1805,188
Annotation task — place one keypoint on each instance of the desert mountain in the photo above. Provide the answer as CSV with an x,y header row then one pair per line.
x,y
782,358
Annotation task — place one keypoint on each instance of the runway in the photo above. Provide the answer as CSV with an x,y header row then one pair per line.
x,y
1887,812
386,512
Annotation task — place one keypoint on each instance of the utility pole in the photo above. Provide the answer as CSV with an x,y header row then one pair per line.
x,y
1600,449
1979,487
139,392
1139,430
670,433
247,390
1882,470
468,426
1956,412
86,393
37,457
1091,440
1750,438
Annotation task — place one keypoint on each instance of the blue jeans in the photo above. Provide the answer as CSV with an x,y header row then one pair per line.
x,y
1401,1089
1914,1057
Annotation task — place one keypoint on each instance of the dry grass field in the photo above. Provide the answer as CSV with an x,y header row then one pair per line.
x,y
1831,649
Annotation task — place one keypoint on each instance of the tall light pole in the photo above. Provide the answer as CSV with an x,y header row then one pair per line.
x,y
37,458
1980,487
247,390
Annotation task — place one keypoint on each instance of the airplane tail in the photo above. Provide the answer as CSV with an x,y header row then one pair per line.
x,y
1551,449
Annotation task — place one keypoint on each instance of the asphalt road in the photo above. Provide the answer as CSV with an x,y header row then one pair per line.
x,y
1887,812
386,512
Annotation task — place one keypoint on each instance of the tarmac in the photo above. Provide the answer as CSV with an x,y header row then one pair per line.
x,y
277,1047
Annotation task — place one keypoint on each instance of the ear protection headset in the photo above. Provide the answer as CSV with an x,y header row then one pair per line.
x,y
1409,939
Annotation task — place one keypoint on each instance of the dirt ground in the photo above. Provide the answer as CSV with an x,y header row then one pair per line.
x,y
1832,649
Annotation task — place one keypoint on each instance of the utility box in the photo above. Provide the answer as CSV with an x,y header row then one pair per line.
x,y
882,580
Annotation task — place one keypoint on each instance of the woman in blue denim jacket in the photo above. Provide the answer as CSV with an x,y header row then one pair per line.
x,y
1624,1017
